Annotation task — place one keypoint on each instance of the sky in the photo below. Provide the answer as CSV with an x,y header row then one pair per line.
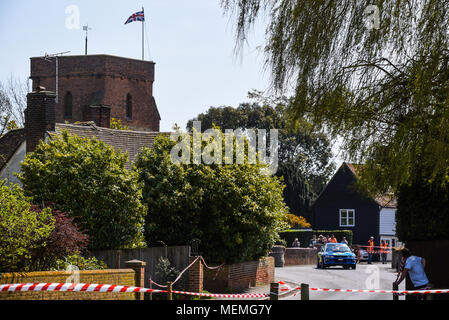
x,y
191,42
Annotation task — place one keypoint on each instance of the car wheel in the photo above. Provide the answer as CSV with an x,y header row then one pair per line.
x,y
323,265
346,267
354,267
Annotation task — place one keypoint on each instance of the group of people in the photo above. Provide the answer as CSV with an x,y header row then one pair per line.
x,y
384,250
323,240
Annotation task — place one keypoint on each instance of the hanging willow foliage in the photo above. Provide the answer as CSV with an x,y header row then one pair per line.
x,y
383,88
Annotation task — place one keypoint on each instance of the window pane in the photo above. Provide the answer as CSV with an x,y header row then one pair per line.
x,y
350,221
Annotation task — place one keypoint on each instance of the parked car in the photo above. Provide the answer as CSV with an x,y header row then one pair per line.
x,y
336,254
363,255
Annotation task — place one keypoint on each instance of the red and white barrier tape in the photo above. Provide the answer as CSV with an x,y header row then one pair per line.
x,y
433,291
86,287
75,287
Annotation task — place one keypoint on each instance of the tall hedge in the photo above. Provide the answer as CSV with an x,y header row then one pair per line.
x,y
423,211
87,179
234,210
305,236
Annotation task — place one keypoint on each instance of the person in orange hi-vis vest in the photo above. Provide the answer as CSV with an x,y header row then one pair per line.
x,y
383,251
370,250
333,239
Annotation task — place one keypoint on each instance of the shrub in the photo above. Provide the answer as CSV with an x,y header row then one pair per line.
x,y
83,263
235,210
305,236
296,222
22,230
87,179
64,240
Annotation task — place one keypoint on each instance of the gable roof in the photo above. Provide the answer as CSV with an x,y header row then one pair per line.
x,y
385,201
9,143
121,140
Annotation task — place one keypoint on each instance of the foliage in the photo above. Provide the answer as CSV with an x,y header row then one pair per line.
x,y
296,222
423,210
164,271
64,240
383,90
83,263
234,210
304,155
22,230
117,124
87,179
305,236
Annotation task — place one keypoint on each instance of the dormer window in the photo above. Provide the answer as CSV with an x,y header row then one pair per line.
x,y
68,104
129,107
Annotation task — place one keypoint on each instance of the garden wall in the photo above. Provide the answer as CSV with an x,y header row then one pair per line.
x,y
178,256
239,276
300,256
118,277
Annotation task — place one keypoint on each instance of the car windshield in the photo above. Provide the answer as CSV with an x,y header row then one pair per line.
x,y
337,248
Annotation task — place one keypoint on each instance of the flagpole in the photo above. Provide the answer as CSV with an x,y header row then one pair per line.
x,y
143,30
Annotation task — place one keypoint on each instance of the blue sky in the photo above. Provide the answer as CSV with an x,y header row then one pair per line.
x,y
192,43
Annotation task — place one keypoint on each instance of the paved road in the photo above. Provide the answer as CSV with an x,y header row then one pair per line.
x,y
364,277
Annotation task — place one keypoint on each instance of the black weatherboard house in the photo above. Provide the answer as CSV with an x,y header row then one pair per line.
x,y
341,206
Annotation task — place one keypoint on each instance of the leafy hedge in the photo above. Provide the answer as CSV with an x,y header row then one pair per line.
x,y
423,211
304,236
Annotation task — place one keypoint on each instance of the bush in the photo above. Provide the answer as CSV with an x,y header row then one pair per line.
x,y
83,263
22,230
87,179
296,222
423,210
234,210
64,240
305,236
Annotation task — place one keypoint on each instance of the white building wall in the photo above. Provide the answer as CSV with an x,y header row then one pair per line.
x,y
13,165
387,223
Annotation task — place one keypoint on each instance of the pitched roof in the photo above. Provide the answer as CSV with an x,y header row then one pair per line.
x,y
9,143
385,200
121,140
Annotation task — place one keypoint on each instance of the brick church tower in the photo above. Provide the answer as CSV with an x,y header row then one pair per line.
x,y
99,87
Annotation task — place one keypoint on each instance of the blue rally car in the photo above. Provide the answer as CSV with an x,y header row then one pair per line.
x,y
336,254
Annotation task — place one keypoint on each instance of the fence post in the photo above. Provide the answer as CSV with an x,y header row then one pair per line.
x,y
169,290
396,288
304,291
150,295
274,291
139,277
196,275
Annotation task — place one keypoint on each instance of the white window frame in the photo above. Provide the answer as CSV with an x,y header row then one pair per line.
x,y
347,218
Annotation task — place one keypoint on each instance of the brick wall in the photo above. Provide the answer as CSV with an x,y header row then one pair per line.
x,y
239,276
300,256
39,117
101,80
118,277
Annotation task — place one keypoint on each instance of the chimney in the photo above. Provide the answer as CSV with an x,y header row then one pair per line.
x,y
39,116
101,115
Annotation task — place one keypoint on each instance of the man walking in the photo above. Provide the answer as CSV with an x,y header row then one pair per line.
x,y
383,251
414,267
370,250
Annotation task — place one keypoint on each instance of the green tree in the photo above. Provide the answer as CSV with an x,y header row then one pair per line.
x,y
234,209
87,179
372,72
304,155
22,230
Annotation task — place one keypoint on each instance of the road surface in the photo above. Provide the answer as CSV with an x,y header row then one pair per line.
x,y
375,276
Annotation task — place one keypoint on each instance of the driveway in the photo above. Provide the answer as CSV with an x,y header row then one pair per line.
x,y
375,276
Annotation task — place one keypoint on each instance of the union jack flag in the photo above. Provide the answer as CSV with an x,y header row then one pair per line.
x,y
138,16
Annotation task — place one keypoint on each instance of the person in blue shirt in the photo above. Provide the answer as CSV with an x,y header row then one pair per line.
x,y
414,267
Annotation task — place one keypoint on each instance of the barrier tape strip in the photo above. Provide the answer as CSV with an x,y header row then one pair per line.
x,y
86,287
433,291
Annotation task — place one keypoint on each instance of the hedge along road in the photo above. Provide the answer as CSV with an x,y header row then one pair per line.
x,y
364,277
